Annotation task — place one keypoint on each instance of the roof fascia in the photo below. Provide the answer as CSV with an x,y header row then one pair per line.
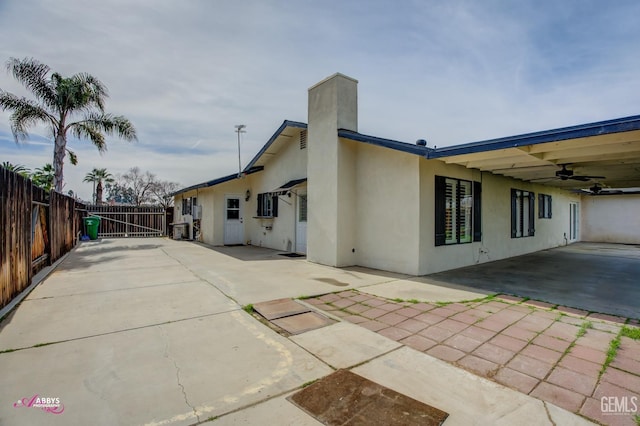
x,y
217,181
599,128
285,124
385,143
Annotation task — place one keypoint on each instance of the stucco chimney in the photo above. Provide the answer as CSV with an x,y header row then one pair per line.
x,y
333,105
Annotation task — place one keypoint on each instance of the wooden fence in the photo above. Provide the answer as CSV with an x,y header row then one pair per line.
x,y
36,229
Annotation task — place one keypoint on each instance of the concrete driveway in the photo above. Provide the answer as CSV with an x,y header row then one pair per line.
x,y
595,277
152,332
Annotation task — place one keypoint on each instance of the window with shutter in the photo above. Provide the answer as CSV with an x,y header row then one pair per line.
x,y
522,213
455,220
544,206
267,205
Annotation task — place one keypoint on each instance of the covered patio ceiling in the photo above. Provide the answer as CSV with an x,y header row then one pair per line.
x,y
608,152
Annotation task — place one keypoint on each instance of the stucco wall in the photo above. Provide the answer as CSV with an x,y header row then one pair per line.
x,y
290,163
496,220
332,105
387,216
212,200
611,219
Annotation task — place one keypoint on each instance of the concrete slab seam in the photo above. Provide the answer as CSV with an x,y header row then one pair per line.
x,y
36,280
202,278
116,290
117,331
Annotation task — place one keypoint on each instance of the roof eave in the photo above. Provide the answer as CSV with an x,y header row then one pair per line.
x,y
217,181
600,128
285,124
385,143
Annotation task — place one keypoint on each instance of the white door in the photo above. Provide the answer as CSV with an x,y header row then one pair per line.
x,y
301,223
574,222
233,221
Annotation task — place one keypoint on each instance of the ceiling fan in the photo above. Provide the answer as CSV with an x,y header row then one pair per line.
x,y
597,189
566,174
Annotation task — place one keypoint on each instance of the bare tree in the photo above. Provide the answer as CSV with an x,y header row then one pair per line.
x,y
163,192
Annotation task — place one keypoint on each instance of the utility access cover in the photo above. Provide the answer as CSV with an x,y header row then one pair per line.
x,y
345,398
280,308
291,316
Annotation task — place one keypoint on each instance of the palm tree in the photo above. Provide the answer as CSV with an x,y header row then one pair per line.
x,y
16,168
43,177
59,101
97,176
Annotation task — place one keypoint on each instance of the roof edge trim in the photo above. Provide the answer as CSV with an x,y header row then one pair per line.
x,y
385,143
217,181
284,125
599,128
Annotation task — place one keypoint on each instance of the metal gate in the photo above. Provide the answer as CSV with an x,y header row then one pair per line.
x,y
126,221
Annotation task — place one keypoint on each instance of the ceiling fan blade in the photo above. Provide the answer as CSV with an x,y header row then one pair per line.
x,y
580,178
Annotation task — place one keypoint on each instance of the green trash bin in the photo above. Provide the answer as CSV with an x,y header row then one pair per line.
x,y
91,224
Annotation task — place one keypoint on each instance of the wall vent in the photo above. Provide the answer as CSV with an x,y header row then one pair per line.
x,y
303,139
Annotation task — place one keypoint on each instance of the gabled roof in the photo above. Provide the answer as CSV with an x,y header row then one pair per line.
x,y
257,163
385,143
272,146
217,181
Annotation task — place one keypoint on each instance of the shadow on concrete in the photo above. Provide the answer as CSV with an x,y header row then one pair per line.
x,y
106,251
593,277
248,253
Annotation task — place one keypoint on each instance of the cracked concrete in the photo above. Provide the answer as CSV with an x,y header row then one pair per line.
x,y
175,364
546,408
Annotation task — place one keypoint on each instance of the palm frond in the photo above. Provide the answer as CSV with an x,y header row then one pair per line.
x,y
110,124
88,130
94,91
25,114
33,75
73,158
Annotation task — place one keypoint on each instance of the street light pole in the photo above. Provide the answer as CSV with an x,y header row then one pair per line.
x,y
239,129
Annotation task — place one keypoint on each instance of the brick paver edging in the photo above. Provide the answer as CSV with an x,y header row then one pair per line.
x,y
557,354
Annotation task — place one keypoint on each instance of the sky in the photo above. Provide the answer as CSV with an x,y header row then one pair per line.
x,y
186,72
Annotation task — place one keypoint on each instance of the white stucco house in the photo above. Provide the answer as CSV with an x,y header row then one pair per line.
x,y
343,198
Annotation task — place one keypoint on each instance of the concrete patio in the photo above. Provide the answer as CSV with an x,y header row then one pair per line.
x,y
153,331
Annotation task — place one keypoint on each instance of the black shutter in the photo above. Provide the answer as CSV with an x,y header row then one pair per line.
x,y
549,200
540,205
514,218
274,206
259,205
440,212
477,211
532,214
